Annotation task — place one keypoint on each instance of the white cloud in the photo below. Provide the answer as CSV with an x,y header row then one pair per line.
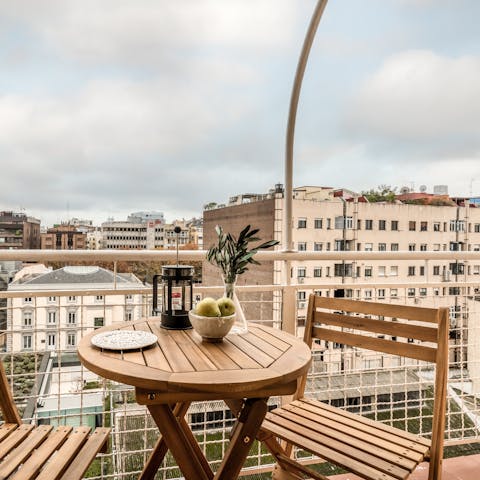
x,y
147,32
420,96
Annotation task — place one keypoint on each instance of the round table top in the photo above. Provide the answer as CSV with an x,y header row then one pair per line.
x,y
181,362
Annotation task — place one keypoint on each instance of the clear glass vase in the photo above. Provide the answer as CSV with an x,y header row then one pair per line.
x,y
240,326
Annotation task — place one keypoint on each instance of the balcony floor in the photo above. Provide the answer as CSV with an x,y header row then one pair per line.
x,y
458,468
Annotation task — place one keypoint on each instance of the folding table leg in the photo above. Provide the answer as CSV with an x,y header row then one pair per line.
x,y
244,433
160,450
181,443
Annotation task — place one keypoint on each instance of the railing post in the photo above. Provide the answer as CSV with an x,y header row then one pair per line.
x,y
289,314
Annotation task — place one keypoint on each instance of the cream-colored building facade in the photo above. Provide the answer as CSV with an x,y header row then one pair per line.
x,y
56,321
326,219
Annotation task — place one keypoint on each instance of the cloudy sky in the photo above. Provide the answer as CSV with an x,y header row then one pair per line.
x,y
113,106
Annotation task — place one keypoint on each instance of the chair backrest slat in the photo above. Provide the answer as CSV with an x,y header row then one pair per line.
x,y
421,314
426,334
9,410
403,349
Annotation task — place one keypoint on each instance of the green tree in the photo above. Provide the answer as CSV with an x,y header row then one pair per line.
x,y
383,193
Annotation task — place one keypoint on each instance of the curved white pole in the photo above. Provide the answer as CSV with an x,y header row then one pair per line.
x,y
302,63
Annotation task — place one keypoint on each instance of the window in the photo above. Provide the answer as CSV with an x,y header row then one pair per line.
x,y
457,225
343,269
341,245
301,272
27,342
454,246
393,271
27,319
51,318
52,299
367,294
381,293
457,268
422,292
476,269
382,247
436,269
454,291
368,247
27,300
318,246
394,225
410,292
71,339
98,322
302,295
317,272
436,247
382,224
318,223
302,223
421,271
368,224
476,228
128,316
302,246
411,271
343,223
412,225
129,297
72,298
368,271
329,223
394,247
423,226
423,247
381,271
99,298
436,226
51,341
394,292
411,247
72,318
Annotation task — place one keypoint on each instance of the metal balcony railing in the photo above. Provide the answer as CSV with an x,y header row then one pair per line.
x,y
51,386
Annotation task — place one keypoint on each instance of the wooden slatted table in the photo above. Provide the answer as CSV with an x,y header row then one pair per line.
x,y
243,370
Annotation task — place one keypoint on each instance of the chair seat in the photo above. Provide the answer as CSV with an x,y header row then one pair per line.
x,y
28,452
368,448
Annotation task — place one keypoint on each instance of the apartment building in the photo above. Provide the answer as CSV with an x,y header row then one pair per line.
x,y
18,230
63,237
53,321
327,219
148,230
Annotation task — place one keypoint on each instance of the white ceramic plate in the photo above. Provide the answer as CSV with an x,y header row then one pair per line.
x,y
124,339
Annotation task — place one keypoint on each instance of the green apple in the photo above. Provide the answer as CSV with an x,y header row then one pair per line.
x,y
207,308
226,306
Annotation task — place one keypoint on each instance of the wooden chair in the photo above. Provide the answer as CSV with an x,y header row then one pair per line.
x,y
368,448
29,452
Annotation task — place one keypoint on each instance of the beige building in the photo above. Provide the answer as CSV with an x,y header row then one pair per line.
x,y
325,219
63,237
148,230
54,321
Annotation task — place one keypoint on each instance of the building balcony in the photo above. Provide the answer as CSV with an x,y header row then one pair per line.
x,y
51,386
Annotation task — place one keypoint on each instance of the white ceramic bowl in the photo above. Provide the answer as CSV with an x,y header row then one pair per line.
x,y
211,329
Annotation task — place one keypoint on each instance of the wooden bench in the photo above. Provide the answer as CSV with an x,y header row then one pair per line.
x,y
29,452
368,448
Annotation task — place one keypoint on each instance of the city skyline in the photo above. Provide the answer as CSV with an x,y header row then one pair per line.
x,y
125,106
